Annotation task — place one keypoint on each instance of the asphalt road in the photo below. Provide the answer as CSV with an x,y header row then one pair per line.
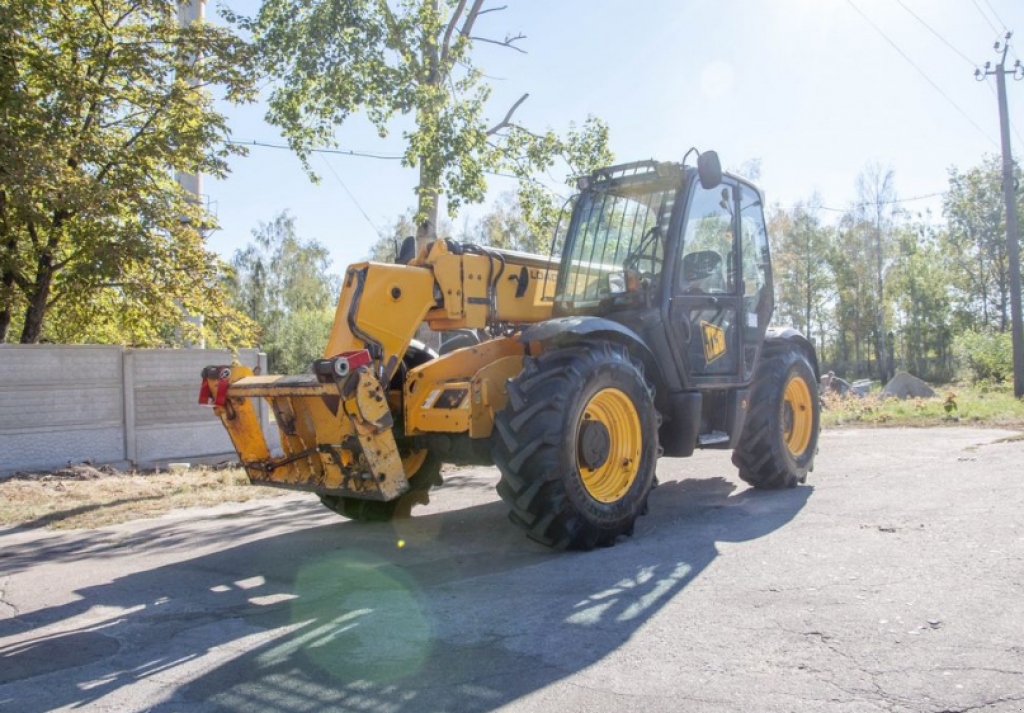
x,y
893,581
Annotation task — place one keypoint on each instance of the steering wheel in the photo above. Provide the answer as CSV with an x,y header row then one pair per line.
x,y
633,260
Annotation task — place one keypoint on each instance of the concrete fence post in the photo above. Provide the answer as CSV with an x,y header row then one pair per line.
x,y
128,393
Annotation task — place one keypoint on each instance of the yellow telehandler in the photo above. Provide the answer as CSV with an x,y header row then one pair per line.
x,y
649,337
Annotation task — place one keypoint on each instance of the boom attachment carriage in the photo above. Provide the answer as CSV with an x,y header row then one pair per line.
x,y
357,425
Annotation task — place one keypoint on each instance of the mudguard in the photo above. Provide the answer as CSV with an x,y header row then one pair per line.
x,y
569,330
789,337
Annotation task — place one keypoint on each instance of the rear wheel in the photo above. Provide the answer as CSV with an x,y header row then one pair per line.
x,y
577,446
422,468
780,436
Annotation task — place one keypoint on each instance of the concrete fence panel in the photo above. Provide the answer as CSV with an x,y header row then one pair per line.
x,y
63,404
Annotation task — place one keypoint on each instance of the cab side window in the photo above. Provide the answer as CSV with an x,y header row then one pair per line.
x,y
707,257
757,299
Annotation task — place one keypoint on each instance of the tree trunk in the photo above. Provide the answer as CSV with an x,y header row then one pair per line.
x,y
426,228
7,278
5,322
880,346
39,298
35,313
428,114
807,311
7,292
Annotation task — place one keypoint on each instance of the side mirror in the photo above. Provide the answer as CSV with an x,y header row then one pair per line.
x,y
709,170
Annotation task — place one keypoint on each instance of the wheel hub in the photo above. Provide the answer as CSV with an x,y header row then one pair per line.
x,y
595,444
797,416
609,443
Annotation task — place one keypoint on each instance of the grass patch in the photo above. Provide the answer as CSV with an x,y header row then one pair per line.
x,y
86,497
975,406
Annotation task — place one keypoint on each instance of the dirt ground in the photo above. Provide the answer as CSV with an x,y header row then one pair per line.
x,y
892,581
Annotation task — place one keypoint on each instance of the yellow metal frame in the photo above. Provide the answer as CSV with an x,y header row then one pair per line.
x,y
336,433
524,292
478,373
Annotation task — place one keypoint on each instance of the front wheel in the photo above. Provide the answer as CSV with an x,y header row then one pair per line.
x,y
577,446
780,436
422,468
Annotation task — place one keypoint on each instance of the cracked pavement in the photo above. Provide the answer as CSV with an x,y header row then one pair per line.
x,y
891,582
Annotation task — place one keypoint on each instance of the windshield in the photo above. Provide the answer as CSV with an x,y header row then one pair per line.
x,y
617,228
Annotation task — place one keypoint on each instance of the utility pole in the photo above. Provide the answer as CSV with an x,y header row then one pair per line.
x,y
189,12
1010,197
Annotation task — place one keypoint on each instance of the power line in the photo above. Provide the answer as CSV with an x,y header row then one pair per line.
x,y
985,17
936,33
364,154
339,152
996,14
920,71
892,202
342,184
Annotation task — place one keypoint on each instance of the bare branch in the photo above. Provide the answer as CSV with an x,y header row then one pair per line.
x,y
446,43
485,76
474,12
393,30
508,117
508,42
493,9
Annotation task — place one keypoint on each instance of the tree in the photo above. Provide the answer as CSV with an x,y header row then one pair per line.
x,y
975,244
412,58
919,288
285,285
504,226
802,272
102,103
867,229
388,244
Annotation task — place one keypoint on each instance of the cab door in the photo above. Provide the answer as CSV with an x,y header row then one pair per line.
x,y
706,312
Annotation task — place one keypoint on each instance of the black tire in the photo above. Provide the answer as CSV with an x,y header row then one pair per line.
x,y
427,476
458,339
762,455
535,446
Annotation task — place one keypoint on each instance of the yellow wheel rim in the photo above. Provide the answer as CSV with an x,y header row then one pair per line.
x,y
797,416
609,439
413,462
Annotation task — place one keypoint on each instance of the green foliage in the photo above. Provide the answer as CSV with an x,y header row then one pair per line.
x,y
975,245
102,104
387,246
919,288
300,340
506,226
409,59
801,270
975,405
284,284
985,356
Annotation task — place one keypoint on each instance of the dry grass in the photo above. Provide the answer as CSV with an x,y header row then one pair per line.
x,y
83,497
974,406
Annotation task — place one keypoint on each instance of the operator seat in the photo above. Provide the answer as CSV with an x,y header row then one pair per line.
x,y
702,272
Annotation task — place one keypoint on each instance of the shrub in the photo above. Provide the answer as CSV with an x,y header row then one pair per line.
x,y
984,356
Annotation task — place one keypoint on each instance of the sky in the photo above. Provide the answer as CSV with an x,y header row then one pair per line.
x,y
808,87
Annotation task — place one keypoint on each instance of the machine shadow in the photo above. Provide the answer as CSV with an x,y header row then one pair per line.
x,y
466,616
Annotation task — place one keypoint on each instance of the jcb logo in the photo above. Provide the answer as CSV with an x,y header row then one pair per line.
x,y
714,341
